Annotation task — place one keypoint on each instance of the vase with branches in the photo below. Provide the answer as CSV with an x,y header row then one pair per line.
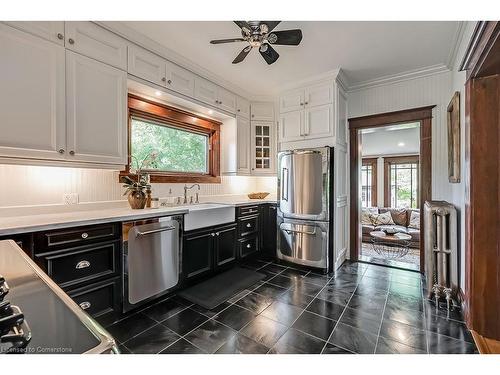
x,y
136,190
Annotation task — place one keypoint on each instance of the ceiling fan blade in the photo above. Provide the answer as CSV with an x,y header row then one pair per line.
x,y
243,24
241,56
220,41
268,53
285,37
270,25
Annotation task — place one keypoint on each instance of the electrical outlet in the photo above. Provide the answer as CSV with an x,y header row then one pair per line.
x,y
70,198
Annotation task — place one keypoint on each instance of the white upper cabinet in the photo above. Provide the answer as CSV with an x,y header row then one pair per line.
x,y
292,101
243,145
262,147
49,30
96,42
318,95
319,122
32,96
227,100
146,65
261,111
96,111
291,126
180,80
205,91
242,107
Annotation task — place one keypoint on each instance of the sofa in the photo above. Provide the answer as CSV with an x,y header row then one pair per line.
x,y
401,219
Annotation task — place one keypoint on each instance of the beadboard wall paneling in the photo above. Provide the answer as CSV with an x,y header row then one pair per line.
x,y
35,185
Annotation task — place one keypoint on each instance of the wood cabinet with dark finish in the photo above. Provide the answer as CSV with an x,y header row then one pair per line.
x,y
249,230
269,229
225,245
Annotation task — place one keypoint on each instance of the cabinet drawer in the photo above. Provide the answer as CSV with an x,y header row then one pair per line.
x,y
248,246
83,263
99,299
247,210
75,236
248,225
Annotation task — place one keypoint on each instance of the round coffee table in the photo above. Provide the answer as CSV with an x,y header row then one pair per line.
x,y
391,246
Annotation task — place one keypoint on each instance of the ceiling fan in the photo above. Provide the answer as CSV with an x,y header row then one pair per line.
x,y
260,34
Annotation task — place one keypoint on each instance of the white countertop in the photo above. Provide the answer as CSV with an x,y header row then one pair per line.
x,y
33,219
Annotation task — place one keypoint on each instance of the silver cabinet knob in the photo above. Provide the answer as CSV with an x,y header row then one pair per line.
x,y
249,246
253,116
85,235
85,305
82,264
306,103
60,36
61,151
239,110
72,152
71,41
217,234
169,81
163,79
249,225
301,103
212,234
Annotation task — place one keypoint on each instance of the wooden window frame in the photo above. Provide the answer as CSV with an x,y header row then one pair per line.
x,y
410,159
141,108
373,163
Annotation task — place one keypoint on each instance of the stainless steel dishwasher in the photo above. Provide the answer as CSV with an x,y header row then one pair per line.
x,y
151,259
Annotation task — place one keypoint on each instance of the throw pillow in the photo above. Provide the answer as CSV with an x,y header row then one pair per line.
x,y
382,219
365,215
414,220
399,216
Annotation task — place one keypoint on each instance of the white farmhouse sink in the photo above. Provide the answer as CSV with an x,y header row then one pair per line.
x,y
208,215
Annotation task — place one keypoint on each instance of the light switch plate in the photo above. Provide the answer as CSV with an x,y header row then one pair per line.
x,y
70,198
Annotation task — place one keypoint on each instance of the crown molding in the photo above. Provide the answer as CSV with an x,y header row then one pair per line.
x,y
400,77
335,74
457,40
120,28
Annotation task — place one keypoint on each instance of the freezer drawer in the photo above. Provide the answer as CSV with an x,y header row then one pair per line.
x,y
303,242
304,184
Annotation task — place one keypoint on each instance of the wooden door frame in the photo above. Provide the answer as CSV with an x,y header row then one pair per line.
x,y
423,115
374,164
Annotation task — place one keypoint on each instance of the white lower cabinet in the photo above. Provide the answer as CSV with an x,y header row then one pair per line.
x,y
96,111
32,96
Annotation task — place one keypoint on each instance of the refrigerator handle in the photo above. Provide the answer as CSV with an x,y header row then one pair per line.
x,y
284,179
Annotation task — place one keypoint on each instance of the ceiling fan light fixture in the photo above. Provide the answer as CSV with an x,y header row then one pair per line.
x,y
272,38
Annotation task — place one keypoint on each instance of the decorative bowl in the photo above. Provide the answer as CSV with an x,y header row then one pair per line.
x,y
390,230
260,195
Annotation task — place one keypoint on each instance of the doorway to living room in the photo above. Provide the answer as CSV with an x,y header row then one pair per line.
x,y
388,188
390,209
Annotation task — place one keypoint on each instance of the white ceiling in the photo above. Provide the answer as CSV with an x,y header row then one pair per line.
x,y
391,140
364,50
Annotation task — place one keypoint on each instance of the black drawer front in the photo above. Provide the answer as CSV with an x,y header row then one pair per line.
x,y
75,236
248,246
248,225
100,298
83,263
247,210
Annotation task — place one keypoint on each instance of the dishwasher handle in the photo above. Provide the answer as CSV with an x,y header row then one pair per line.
x,y
152,231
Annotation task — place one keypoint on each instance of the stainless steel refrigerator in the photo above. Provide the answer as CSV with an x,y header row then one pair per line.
x,y
305,214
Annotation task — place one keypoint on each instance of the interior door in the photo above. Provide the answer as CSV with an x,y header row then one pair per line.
x,y
303,184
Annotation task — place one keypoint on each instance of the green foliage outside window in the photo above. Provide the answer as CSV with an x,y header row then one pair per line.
x,y
175,150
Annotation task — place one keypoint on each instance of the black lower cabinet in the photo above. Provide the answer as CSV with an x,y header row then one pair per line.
x,y
207,250
248,246
269,229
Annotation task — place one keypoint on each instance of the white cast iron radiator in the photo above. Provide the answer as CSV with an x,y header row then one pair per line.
x,y
441,253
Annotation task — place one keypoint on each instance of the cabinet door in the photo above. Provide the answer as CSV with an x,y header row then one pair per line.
x,y
50,30
262,150
32,115
318,122
242,107
180,80
262,111
96,111
197,254
205,91
225,250
269,229
292,101
292,126
318,95
227,100
96,42
147,65
243,145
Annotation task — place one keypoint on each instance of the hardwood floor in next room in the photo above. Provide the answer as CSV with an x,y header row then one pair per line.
x,y
360,308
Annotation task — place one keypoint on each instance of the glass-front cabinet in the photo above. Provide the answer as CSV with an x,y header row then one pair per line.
x,y
263,147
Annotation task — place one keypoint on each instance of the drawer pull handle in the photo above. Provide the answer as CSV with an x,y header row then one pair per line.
x,y
85,305
82,264
85,235
249,246
249,225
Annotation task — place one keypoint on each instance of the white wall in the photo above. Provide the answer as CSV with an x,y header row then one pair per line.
x,y
436,90
33,185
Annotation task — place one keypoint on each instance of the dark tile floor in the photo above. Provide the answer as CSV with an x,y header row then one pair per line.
x,y
362,308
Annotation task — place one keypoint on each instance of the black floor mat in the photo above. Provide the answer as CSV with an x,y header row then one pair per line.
x,y
212,292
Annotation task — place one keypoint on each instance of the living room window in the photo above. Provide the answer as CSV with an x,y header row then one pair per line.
x,y
401,176
369,182
172,145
